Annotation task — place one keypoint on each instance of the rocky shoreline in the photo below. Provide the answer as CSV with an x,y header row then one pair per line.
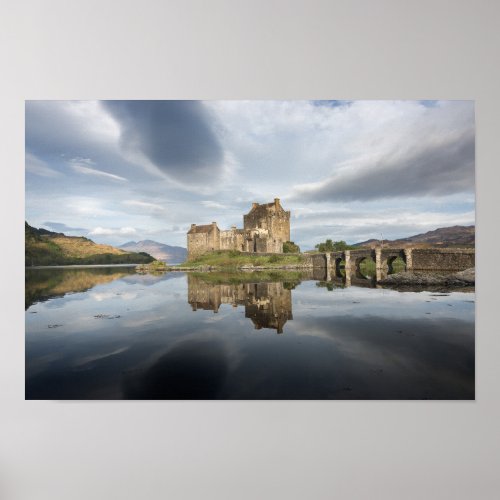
x,y
407,278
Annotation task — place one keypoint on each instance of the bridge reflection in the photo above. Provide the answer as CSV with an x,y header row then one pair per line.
x,y
343,279
267,304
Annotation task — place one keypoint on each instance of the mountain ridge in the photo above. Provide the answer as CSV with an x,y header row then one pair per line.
x,y
160,251
451,236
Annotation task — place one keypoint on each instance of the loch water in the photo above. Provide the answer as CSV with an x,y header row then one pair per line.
x,y
111,333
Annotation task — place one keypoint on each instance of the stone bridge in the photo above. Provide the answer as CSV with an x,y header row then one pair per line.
x,y
415,259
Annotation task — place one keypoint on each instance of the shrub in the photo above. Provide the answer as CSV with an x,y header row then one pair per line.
x,y
290,247
333,246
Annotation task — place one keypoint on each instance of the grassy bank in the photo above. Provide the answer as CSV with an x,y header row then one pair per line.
x,y
46,248
157,266
229,259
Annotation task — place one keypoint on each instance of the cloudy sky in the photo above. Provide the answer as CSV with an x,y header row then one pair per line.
x,y
117,171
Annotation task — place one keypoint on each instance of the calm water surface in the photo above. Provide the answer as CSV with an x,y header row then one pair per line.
x,y
109,333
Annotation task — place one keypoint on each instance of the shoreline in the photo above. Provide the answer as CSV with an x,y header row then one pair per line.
x,y
402,279
466,278
74,266
244,268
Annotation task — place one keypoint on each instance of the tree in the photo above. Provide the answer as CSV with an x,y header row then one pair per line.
x,y
333,246
327,246
290,247
341,245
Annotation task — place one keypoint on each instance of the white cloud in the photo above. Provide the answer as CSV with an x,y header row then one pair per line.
x,y
401,149
327,152
355,224
145,206
122,231
90,171
86,206
214,204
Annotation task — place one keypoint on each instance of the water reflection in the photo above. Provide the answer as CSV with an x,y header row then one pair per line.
x,y
267,305
190,370
121,335
43,284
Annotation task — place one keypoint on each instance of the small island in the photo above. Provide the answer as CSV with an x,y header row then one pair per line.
x,y
264,245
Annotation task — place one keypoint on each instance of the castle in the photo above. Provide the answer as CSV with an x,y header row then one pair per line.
x,y
265,228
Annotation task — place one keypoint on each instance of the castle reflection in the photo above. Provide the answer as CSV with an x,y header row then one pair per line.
x,y
267,305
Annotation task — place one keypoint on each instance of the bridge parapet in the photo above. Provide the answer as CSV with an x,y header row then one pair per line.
x,y
442,259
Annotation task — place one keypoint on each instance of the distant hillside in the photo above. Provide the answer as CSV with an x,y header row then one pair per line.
x,y
45,248
455,236
160,251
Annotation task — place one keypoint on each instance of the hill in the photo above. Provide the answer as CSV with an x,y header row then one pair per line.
x,y
45,248
455,236
160,251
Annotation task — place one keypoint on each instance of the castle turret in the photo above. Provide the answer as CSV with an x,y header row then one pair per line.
x,y
267,226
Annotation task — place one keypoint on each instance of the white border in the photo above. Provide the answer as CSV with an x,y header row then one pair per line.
x,y
275,49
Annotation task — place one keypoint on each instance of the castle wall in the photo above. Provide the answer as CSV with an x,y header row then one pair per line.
x,y
279,225
199,243
232,240
261,245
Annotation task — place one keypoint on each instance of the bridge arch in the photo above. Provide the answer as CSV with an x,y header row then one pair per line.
x,y
357,267
390,258
338,266
364,266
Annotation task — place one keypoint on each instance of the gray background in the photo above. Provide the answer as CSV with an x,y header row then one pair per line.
x,y
248,49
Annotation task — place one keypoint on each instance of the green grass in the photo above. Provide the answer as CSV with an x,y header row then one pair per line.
x,y
155,267
398,265
232,259
56,249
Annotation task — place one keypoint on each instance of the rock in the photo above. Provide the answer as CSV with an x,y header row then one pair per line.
x,y
408,278
469,275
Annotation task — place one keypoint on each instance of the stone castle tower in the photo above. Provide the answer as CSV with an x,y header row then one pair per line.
x,y
265,228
